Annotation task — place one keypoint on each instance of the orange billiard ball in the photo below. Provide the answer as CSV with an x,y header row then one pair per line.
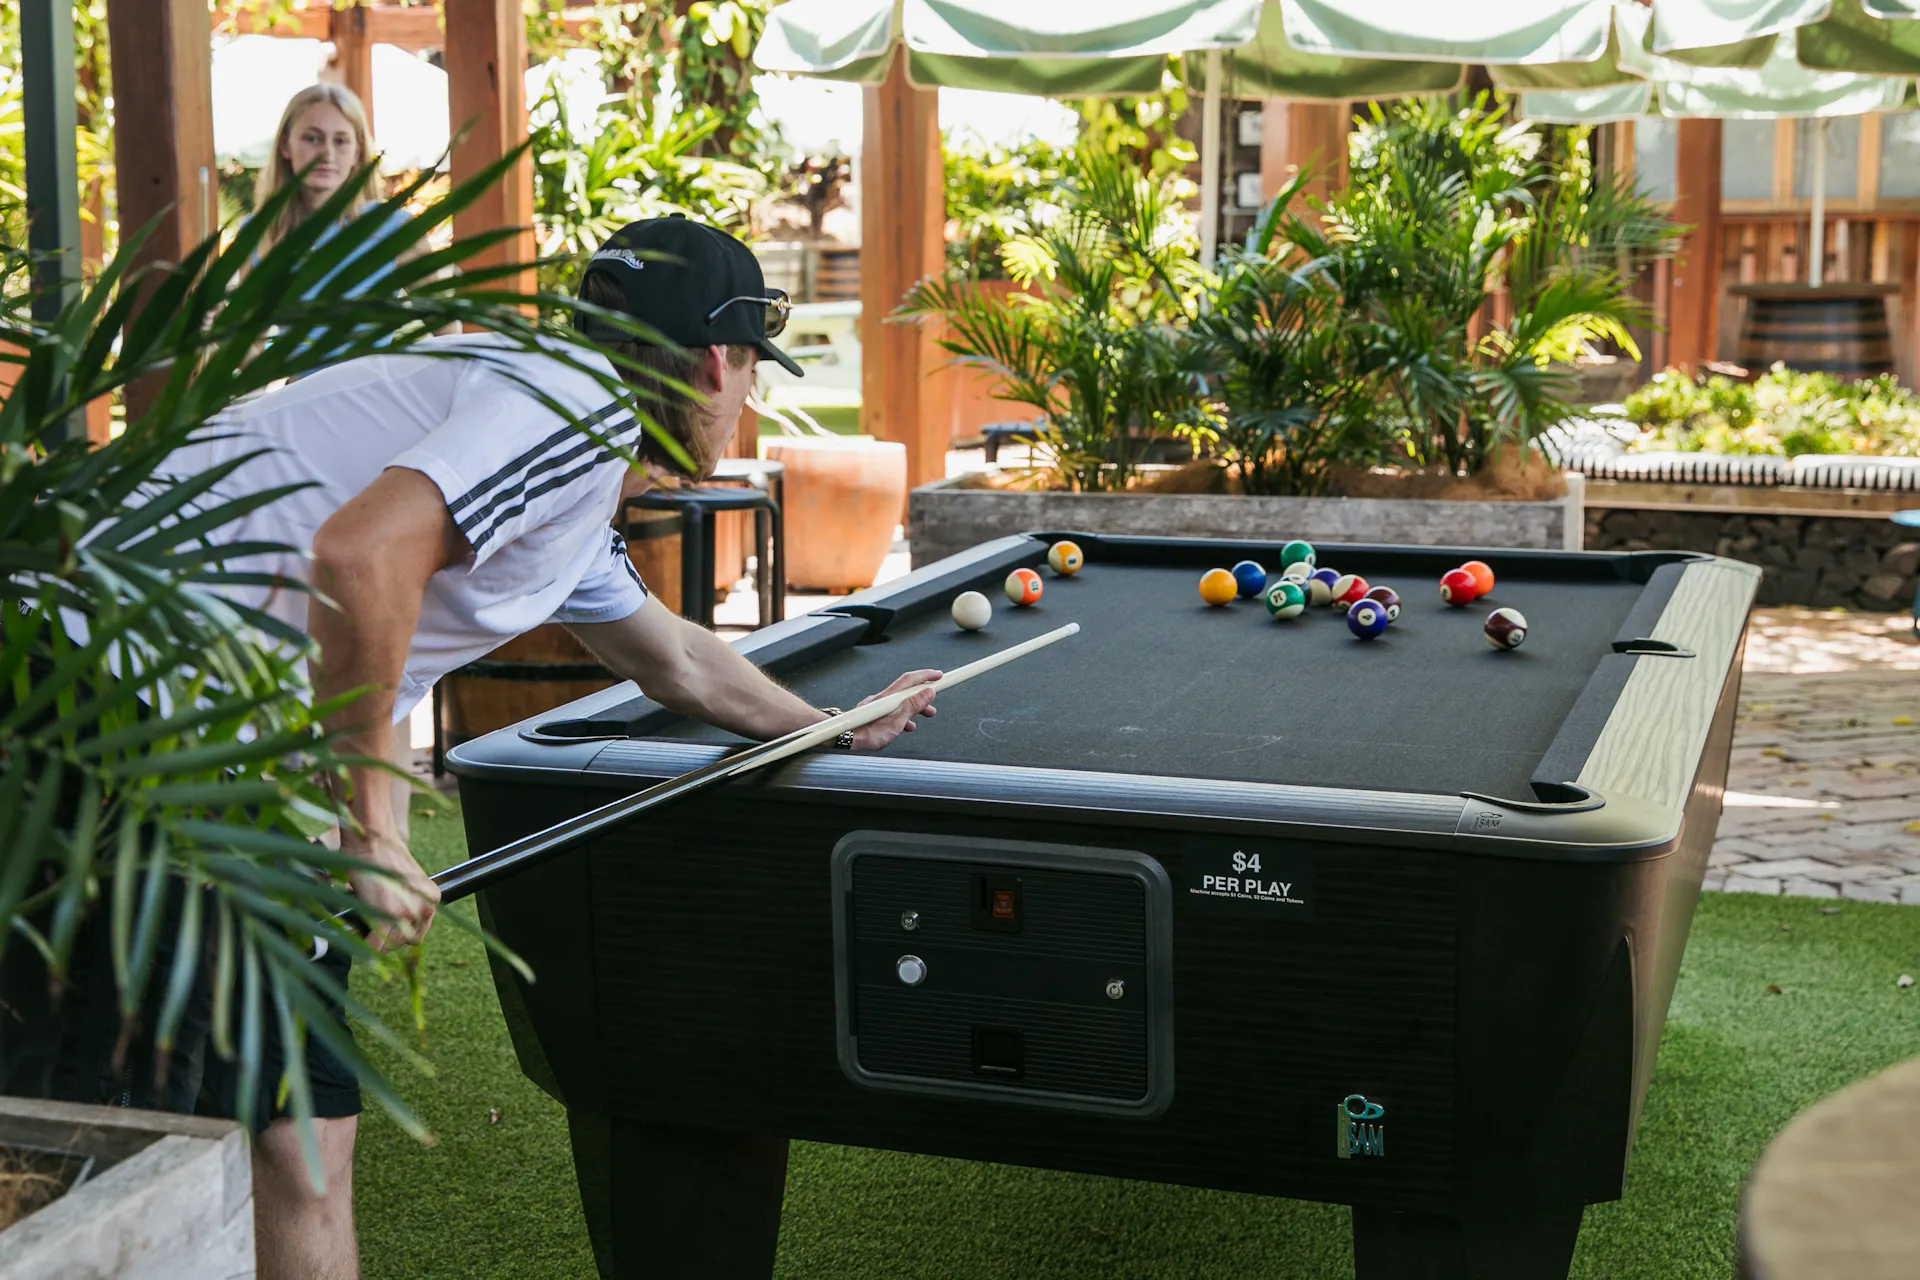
x,y
1023,586
1482,576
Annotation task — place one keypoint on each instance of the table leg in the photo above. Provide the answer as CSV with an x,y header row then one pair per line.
x,y
678,1204
779,549
763,550
696,565
1512,1244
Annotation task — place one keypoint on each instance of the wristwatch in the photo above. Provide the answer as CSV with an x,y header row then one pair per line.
x,y
845,741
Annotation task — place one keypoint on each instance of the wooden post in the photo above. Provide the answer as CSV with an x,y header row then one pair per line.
x,y
162,132
1693,315
486,58
1298,136
904,388
353,58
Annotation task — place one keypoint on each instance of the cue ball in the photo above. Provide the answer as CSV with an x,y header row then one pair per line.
x,y
1217,586
1506,629
1065,558
1389,599
1297,552
1320,587
1366,619
971,610
1250,578
1458,588
1023,587
1347,588
1482,576
1285,599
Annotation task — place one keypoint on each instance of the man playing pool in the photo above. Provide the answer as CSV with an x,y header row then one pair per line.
x,y
450,510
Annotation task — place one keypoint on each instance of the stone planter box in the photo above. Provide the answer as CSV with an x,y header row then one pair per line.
x,y
943,518
151,1196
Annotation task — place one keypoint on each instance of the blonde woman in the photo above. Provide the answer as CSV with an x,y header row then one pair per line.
x,y
322,143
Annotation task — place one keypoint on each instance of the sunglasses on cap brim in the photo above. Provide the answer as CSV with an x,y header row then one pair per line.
x,y
779,306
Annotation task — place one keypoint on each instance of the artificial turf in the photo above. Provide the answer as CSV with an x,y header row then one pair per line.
x,y
1780,1001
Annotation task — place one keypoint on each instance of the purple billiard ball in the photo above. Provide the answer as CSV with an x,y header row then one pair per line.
x,y
1366,618
1319,587
1388,597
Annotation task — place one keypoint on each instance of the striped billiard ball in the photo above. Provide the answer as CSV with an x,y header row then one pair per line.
x,y
1319,585
1388,597
1285,599
1024,587
1506,629
1297,552
1065,558
1347,588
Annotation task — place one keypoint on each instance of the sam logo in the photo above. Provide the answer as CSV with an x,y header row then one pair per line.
x,y
1486,822
625,257
1357,1128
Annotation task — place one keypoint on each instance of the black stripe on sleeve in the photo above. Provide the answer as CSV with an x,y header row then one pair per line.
x,y
571,430
510,502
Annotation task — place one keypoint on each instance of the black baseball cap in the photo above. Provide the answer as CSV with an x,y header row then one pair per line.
x,y
694,284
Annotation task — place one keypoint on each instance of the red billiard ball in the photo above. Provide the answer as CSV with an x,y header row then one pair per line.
x,y
1348,588
1023,586
1458,588
1482,576
1506,629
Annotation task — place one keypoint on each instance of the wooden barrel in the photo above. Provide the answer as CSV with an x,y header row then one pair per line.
x,y
475,704
1837,328
653,544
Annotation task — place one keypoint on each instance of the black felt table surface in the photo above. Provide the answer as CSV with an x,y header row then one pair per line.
x,y
1158,683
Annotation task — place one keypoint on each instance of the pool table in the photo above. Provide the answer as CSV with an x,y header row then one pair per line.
x,y
1195,896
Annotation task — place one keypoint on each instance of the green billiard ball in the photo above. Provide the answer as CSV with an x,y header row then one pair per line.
x,y
1297,552
1285,599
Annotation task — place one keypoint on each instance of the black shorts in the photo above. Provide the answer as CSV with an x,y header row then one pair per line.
x,y
64,1048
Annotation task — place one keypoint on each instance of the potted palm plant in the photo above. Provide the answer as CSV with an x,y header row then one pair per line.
x,y
156,738
1368,370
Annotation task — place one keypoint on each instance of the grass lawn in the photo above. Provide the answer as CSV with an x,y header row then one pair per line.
x,y
494,1197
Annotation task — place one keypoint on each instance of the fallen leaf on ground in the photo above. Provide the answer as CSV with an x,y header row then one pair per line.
x,y
1829,911
1904,981
1903,719
1775,752
1784,928
493,1115
1775,989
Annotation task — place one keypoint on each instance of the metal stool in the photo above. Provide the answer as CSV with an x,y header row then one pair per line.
x,y
1911,520
756,473
697,507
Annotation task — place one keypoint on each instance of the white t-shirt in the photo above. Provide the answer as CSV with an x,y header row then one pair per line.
x,y
534,495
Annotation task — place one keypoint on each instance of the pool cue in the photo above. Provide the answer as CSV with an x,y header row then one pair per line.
x,y
458,881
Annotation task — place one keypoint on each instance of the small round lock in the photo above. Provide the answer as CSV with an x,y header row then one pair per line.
x,y
1116,989
909,920
911,970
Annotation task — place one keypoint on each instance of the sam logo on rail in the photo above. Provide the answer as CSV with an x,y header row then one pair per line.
x,y
1358,1130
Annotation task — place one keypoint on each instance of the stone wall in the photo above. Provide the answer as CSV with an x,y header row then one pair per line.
x,y
1861,562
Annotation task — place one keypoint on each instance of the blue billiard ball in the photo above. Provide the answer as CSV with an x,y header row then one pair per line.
x,y
1251,578
1367,619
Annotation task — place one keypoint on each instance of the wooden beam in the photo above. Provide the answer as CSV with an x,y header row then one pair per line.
x,y
486,59
1309,136
163,131
352,65
905,387
1693,313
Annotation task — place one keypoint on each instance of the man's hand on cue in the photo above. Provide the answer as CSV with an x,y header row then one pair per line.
x,y
401,903
872,737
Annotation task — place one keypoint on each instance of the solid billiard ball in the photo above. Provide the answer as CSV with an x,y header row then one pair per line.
x,y
1298,571
1482,576
1506,629
1366,618
1297,552
1389,599
1065,558
1319,587
1458,588
971,610
1024,587
1347,588
1218,586
1285,599
1252,579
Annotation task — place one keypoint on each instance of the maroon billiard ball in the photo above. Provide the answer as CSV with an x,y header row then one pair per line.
x,y
1388,597
1458,588
1506,629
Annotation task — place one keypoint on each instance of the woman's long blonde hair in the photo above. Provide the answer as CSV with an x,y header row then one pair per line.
x,y
279,171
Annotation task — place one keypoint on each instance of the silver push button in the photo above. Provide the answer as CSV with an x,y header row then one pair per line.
x,y
911,970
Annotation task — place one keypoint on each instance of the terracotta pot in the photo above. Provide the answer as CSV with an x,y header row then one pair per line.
x,y
9,372
972,400
844,498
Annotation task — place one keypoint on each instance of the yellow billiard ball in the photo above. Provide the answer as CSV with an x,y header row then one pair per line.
x,y
1219,586
1065,558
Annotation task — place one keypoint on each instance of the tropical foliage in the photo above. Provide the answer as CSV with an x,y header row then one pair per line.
x,y
1449,213
1098,342
156,735
1782,412
996,194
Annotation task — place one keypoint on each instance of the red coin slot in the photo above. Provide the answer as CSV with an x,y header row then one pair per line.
x,y
996,902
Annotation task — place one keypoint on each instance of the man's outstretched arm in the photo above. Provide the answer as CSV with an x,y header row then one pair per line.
x,y
371,563
686,668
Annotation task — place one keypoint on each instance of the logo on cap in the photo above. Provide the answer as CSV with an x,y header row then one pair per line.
x,y
625,257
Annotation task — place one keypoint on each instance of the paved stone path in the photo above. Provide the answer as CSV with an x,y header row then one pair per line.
x,y
1823,794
